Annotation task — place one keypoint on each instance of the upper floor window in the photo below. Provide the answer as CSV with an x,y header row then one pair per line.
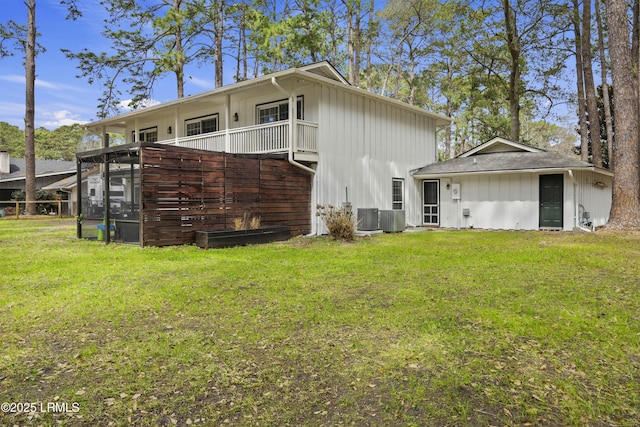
x,y
146,135
279,110
200,125
398,193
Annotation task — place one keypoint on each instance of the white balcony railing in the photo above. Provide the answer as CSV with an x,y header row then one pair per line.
x,y
266,138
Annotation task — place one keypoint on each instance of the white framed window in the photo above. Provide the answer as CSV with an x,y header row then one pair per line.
x,y
146,135
397,196
279,110
198,125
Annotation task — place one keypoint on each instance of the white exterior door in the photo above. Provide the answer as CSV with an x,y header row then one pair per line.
x,y
431,202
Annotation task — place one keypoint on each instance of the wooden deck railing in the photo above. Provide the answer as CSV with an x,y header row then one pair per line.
x,y
265,138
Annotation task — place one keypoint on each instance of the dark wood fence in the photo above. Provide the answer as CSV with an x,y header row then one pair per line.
x,y
185,190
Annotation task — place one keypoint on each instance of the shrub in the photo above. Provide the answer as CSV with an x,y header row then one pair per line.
x,y
247,222
340,222
43,208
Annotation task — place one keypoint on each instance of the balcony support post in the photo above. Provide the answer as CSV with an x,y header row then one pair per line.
x,y
227,123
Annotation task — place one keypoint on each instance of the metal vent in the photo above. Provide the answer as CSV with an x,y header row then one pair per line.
x,y
392,221
367,219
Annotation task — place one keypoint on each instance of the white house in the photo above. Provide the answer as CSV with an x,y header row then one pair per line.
x,y
506,185
356,146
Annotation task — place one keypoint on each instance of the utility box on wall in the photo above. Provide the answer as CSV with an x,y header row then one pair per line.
x,y
455,191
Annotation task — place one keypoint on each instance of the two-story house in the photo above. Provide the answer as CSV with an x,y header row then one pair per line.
x,y
275,147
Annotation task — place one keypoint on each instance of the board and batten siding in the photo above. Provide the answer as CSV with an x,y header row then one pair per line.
x,y
512,201
499,201
364,143
593,192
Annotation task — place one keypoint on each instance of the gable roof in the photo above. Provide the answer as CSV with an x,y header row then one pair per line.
x,y
500,145
18,169
321,72
503,156
70,182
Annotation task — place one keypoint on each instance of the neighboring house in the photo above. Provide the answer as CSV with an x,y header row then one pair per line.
x,y
275,146
506,185
69,186
13,173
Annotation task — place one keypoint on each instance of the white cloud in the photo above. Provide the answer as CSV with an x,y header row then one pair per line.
x,y
125,105
13,78
55,119
203,83
12,113
18,79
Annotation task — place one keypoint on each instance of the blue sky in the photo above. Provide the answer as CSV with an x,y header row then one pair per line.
x,y
61,98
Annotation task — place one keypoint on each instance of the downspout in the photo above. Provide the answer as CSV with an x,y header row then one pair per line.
x,y
293,134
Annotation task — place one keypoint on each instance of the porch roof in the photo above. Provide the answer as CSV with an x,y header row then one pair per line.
x,y
503,156
70,182
505,162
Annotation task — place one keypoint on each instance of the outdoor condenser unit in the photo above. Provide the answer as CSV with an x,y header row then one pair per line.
x,y
392,221
367,219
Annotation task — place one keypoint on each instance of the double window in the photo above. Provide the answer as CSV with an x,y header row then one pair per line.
x,y
279,110
146,135
200,125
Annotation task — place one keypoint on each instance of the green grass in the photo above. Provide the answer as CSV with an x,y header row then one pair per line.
x,y
437,328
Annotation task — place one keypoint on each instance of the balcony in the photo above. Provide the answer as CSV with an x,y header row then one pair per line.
x,y
257,139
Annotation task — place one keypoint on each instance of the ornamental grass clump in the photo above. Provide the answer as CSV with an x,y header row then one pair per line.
x,y
340,222
247,222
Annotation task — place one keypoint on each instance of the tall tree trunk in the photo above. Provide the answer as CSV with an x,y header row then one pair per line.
x,y
513,44
368,45
635,48
635,40
179,65
350,44
243,36
589,86
625,206
241,58
605,89
219,34
582,116
447,135
30,111
353,39
357,42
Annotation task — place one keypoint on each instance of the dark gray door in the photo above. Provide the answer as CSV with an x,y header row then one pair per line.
x,y
551,197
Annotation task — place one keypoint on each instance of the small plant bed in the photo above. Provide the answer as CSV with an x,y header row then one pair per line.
x,y
229,238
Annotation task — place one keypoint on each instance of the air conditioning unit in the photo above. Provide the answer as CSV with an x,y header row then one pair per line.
x,y
367,219
392,221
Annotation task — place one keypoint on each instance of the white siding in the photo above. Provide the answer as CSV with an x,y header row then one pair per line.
x,y
364,143
593,192
499,201
511,201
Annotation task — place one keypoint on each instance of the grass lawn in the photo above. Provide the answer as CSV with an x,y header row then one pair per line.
x,y
438,328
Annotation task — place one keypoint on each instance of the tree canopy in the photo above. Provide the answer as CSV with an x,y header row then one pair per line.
x,y
57,144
